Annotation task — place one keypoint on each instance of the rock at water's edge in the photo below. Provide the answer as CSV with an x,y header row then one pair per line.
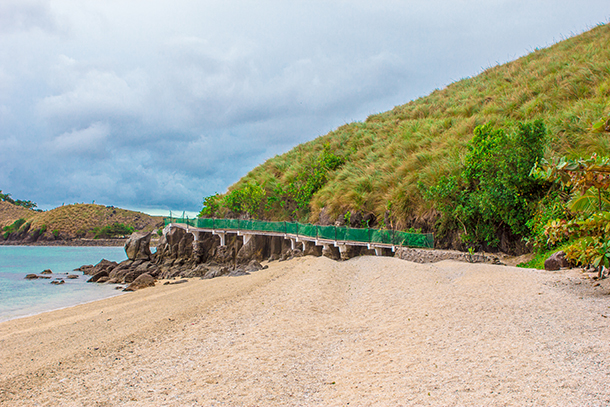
x,y
138,246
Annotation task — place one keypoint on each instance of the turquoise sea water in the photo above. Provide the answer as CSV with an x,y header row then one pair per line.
x,y
20,297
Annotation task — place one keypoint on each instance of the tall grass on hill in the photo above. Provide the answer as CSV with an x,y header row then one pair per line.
x,y
566,86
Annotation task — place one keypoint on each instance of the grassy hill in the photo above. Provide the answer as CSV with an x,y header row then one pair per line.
x,y
9,213
384,158
73,221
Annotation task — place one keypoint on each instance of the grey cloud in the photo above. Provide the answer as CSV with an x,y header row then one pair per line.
x,y
89,142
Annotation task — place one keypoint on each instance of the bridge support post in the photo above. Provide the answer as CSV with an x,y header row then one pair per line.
x,y
247,237
222,236
343,248
378,251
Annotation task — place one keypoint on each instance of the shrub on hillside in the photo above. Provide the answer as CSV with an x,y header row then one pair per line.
x,y
494,192
114,230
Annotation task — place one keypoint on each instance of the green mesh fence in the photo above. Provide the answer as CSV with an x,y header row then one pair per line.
x,y
327,232
292,228
379,236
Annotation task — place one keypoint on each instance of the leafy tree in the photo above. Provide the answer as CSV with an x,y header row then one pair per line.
x,y
18,202
211,206
494,190
246,199
589,230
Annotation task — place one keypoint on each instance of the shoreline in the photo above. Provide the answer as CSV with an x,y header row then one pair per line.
x,y
75,243
312,331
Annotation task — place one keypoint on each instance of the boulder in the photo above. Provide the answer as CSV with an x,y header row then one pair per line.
x,y
104,265
556,261
138,246
72,276
31,277
143,281
47,271
58,282
97,276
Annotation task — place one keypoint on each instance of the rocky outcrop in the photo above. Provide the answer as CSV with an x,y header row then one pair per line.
x,y
104,265
556,261
138,246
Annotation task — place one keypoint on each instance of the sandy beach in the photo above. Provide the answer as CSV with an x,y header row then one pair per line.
x,y
314,332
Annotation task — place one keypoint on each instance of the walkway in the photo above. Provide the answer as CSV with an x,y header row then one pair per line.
x,y
298,233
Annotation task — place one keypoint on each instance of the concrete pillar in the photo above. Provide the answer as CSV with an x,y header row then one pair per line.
x,y
247,238
292,244
343,251
379,251
222,237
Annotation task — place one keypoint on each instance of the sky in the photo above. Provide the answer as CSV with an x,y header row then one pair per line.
x,y
152,105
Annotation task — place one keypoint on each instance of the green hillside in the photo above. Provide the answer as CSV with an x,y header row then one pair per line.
x,y
372,169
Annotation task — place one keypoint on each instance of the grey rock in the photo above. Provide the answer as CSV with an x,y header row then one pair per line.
x,y
556,261
143,281
97,276
138,246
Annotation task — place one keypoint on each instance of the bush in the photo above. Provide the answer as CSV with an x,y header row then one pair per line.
x,y
114,230
494,191
246,199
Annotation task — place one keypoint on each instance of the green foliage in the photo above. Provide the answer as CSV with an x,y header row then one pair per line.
x,y
246,199
211,205
312,178
110,231
55,233
18,202
589,231
494,191
14,227
295,198
348,218
551,207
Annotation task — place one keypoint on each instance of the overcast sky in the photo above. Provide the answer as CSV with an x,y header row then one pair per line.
x,y
152,105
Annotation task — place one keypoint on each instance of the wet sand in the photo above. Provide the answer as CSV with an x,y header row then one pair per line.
x,y
311,331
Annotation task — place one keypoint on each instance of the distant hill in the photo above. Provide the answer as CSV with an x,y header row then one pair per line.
x,y
376,165
70,222
9,213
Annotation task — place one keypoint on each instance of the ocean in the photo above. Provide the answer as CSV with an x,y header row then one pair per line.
x,y
20,297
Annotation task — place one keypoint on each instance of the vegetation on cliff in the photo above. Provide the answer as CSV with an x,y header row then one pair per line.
x,y
386,164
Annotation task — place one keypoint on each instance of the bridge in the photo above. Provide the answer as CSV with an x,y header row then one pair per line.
x,y
299,234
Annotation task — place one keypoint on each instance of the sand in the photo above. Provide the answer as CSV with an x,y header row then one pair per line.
x,y
314,332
